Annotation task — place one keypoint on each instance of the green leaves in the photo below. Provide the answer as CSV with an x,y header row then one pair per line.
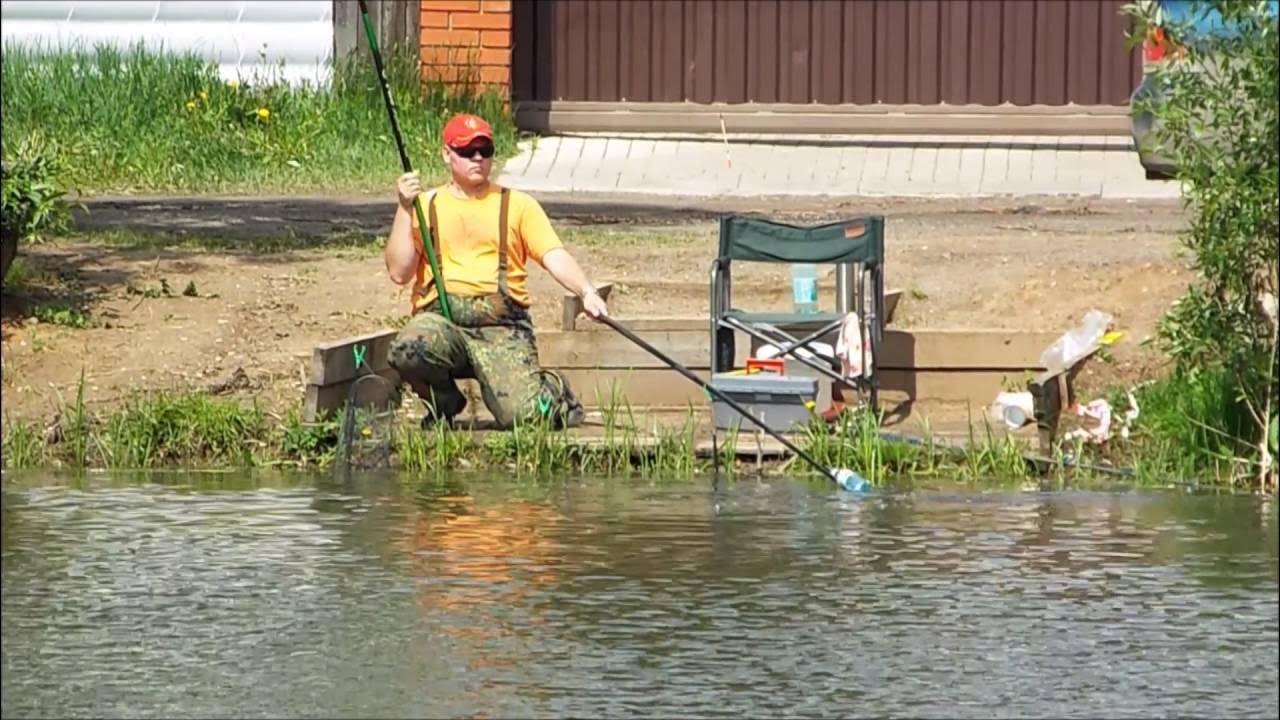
x,y
32,200
1215,100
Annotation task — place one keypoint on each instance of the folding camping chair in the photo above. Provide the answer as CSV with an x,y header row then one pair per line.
x,y
854,245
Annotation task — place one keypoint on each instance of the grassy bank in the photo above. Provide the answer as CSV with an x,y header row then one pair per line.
x,y
159,430
124,121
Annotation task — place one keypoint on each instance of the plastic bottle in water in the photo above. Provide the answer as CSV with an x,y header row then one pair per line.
x,y
804,288
852,481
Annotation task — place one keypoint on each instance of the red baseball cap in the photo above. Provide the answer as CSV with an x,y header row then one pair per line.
x,y
463,129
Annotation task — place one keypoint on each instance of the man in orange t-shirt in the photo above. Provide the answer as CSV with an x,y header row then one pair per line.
x,y
483,262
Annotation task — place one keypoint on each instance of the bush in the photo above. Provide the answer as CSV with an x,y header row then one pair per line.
x,y
1217,110
33,197
32,201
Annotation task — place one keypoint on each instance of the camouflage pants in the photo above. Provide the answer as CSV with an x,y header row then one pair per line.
x,y
490,340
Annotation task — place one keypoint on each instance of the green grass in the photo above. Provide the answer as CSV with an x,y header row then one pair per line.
x,y
589,236
160,429
266,241
131,120
1189,427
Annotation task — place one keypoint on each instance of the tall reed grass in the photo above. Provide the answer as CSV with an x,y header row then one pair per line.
x,y
134,119
162,429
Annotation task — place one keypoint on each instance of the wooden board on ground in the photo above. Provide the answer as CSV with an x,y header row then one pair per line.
x,y
901,349
335,362
379,391
659,387
571,308
571,305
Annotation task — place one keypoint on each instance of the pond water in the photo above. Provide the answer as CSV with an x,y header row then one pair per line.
x,y
269,596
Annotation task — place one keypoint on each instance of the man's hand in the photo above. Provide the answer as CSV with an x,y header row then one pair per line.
x,y
594,305
408,187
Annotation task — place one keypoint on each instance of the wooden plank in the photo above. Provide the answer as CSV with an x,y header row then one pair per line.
x,y
370,393
661,387
891,300
730,110
642,387
802,118
901,349
702,323
571,305
334,362
977,387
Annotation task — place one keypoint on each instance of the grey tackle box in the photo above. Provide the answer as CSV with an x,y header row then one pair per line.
x,y
779,401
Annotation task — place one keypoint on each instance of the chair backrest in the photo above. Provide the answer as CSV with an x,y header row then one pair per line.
x,y
859,239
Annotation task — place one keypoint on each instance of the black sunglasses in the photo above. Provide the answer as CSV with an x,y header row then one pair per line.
x,y
470,151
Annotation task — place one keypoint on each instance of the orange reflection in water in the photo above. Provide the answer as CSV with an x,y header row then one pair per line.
x,y
466,554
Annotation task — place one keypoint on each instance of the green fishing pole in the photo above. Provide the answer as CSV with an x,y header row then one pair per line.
x,y
404,160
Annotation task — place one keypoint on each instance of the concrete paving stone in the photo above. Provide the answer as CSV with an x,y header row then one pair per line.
x,y
590,158
1019,166
1043,163
849,176
972,160
518,164
874,170
617,148
826,166
642,149
995,168
538,159
804,167
900,159
863,164
566,159
946,169
924,162
631,178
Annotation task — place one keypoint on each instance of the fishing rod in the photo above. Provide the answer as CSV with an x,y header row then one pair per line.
x,y
404,159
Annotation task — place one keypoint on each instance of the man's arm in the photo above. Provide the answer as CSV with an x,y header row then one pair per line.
x,y
401,252
402,249
544,247
566,270
562,266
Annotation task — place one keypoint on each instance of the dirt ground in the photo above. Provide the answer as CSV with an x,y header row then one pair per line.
x,y
255,310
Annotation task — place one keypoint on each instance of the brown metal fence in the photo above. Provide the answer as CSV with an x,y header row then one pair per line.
x,y
901,52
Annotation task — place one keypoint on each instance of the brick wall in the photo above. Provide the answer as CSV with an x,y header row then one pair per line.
x,y
467,41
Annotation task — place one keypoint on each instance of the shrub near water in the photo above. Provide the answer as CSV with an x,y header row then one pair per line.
x,y
135,120
1218,108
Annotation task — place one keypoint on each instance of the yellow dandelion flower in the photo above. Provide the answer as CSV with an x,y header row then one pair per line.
x,y
204,95
233,84
264,113
191,104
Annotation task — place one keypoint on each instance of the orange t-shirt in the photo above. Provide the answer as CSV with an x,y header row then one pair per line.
x,y
468,237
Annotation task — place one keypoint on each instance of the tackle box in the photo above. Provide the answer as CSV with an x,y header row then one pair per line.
x,y
779,401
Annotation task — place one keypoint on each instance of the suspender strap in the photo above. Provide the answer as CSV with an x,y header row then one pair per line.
x,y
502,242
435,243
504,207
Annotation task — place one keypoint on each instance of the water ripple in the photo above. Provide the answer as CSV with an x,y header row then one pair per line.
x,y
618,600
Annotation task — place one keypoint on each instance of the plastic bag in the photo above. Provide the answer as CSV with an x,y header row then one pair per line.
x,y
1073,344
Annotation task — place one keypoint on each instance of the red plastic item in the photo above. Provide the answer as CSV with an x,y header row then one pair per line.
x,y
773,365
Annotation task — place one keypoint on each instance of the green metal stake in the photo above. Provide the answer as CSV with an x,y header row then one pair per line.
x,y
404,160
